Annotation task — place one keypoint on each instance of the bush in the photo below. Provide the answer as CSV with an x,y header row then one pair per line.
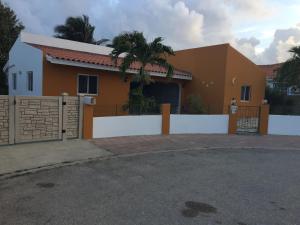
x,y
139,104
194,105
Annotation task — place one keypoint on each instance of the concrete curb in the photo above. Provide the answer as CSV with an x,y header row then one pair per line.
x,y
24,172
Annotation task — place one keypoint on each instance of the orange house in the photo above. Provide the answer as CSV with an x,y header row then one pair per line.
x,y
220,73
47,66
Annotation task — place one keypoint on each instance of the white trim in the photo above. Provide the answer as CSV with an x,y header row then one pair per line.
x,y
88,75
108,68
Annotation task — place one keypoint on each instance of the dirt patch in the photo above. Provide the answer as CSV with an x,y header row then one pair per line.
x,y
45,185
241,223
189,213
200,207
194,208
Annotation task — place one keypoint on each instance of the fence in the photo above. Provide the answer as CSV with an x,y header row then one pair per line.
x,y
31,118
201,124
284,125
126,126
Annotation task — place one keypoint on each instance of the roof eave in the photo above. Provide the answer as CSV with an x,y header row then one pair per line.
x,y
55,60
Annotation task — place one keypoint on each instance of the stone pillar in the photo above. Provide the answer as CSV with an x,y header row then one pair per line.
x,y
88,113
264,119
165,111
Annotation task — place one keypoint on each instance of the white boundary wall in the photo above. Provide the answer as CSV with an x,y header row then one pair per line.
x,y
116,126
284,125
199,124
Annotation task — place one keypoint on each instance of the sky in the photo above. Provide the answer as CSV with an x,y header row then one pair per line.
x,y
263,30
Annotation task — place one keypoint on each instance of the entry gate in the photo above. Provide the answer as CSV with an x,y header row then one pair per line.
x,y
248,119
43,118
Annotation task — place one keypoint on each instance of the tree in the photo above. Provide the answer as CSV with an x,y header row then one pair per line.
x,y
78,29
289,72
137,50
10,27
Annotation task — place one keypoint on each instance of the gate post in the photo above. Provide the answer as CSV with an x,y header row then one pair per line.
x,y
88,113
264,119
232,124
165,111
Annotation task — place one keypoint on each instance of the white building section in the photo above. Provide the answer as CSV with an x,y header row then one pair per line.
x,y
23,60
116,126
199,124
284,125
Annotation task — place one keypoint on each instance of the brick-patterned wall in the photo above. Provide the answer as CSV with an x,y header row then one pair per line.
x,y
37,118
4,117
71,109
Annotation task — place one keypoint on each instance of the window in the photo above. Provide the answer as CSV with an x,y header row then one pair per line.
x,y
245,93
30,81
88,84
14,81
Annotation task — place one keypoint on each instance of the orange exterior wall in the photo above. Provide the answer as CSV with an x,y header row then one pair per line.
x,y
207,66
213,69
112,91
244,72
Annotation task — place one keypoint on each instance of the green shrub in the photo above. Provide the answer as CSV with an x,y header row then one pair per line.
x,y
195,105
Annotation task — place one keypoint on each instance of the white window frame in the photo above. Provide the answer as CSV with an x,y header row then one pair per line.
x,y
88,75
14,81
244,95
28,84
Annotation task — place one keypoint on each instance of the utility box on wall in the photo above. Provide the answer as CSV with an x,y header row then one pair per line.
x,y
89,100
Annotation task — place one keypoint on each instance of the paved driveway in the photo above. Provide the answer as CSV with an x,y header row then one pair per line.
x,y
207,186
139,144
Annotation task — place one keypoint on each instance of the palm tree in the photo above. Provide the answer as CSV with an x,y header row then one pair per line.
x,y
290,70
78,29
137,50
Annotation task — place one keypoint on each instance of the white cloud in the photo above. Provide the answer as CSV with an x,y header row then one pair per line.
x,y
183,23
283,41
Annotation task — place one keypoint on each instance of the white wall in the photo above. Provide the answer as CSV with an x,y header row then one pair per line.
x,y
201,124
284,125
116,126
24,58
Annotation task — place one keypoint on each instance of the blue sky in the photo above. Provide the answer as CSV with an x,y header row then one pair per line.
x,y
263,30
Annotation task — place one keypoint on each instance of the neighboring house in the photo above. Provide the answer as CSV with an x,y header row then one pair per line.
x,y
271,71
221,73
47,66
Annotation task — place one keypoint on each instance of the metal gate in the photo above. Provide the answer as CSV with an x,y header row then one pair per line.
x,y
248,119
43,118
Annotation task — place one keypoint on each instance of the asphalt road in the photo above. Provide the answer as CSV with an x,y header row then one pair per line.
x,y
234,187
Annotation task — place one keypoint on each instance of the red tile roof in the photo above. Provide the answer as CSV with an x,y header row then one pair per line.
x,y
270,70
97,59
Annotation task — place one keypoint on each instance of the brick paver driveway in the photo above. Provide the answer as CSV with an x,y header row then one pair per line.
x,y
139,144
